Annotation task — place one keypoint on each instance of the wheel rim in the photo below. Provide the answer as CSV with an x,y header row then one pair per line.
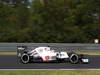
x,y
74,58
25,58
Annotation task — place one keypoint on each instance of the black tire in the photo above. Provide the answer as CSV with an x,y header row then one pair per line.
x,y
25,58
74,58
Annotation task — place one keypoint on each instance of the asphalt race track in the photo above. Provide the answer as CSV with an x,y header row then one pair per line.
x,y
10,62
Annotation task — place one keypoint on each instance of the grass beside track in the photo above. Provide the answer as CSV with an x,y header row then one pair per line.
x,y
49,72
89,52
8,53
80,52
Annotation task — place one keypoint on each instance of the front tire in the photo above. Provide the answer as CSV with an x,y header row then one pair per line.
x,y
74,58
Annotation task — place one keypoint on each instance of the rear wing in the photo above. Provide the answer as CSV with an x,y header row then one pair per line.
x,y
21,47
21,50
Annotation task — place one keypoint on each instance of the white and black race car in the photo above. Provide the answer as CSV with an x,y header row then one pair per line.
x,y
45,54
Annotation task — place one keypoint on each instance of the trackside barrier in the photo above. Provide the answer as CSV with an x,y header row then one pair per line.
x,y
55,46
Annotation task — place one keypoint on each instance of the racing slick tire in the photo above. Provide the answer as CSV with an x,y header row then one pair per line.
x,y
25,58
74,58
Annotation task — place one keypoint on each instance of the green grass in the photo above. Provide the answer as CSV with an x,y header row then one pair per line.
x,y
89,52
80,52
49,72
11,52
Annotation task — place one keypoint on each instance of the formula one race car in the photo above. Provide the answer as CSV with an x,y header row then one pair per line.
x,y
45,54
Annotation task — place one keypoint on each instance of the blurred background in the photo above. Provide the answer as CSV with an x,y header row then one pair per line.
x,y
57,21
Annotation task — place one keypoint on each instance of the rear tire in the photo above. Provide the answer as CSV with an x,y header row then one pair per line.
x,y
25,58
